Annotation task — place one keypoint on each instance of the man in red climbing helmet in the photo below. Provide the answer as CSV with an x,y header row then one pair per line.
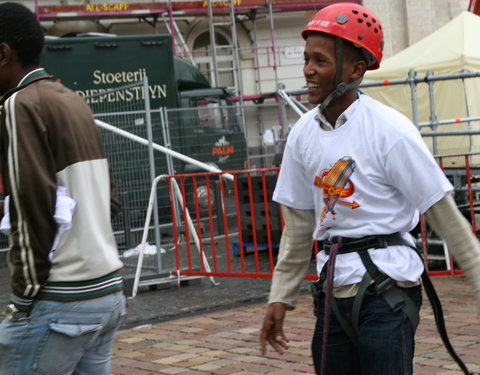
x,y
349,25
356,174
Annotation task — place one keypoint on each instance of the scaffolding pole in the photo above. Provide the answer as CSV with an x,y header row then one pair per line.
x,y
193,9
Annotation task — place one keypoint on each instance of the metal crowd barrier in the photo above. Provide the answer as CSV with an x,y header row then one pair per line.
x,y
225,228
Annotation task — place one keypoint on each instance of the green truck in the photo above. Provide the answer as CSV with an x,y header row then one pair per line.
x,y
203,122
206,126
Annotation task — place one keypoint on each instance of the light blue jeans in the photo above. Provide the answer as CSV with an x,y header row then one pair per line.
x,y
60,338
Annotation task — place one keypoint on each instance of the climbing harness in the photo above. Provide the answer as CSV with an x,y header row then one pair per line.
x,y
329,300
384,285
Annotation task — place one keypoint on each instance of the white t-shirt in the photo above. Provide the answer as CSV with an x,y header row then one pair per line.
x,y
370,176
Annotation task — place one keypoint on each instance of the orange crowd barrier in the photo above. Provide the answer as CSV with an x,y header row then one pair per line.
x,y
230,227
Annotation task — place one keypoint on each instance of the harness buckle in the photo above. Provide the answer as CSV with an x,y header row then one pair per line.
x,y
382,242
316,288
316,291
385,285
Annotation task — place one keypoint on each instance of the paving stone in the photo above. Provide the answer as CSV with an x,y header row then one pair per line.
x,y
176,358
207,367
173,370
226,342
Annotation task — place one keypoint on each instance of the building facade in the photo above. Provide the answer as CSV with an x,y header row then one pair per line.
x,y
251,46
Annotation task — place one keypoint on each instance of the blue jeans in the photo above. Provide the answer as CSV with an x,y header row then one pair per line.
x,y
60,338
386,338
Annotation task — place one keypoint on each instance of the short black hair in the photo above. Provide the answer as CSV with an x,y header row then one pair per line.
x,y
20,29
352,52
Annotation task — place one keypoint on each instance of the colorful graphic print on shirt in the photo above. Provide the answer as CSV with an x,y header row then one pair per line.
x,y
336,185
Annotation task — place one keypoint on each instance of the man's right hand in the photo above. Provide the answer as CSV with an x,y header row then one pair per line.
x,y
272,330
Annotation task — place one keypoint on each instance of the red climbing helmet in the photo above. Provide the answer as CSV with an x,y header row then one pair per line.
x,y
351,22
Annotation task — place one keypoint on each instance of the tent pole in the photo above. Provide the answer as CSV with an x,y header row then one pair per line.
x,y
413,88
433,116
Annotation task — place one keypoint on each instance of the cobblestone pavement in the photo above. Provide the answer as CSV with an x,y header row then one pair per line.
x,y
226,342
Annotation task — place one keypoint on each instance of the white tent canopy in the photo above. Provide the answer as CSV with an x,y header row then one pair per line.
x,y
453,48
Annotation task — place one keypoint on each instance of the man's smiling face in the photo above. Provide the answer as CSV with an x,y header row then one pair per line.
x,y
319,67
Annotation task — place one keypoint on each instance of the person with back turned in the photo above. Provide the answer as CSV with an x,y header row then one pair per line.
x,y
67,297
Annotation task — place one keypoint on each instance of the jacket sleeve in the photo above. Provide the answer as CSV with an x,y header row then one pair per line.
x,y
294,255
31,185
447,221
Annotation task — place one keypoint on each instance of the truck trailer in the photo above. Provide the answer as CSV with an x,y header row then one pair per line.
x,y
93,65
203,122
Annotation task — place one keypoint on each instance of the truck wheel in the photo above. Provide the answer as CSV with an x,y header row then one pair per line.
x,y
201,192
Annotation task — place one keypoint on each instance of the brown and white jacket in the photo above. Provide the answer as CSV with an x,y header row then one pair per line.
x,y
48,138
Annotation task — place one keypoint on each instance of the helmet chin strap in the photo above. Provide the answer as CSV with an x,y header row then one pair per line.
x,y
341,87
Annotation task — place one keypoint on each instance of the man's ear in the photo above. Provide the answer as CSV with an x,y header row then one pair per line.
x,y
5,54
358,69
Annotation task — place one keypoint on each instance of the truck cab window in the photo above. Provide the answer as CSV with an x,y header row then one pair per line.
x,y
213,115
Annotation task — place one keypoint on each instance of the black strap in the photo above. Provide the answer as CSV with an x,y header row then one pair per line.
x,y
357,302
338,60
396,298
348,326
340,89
350,245
382,241
440,321
340,86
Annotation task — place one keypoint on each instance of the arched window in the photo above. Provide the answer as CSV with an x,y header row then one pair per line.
x,y
224,57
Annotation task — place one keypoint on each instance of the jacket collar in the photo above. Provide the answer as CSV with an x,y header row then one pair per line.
x,y
31,77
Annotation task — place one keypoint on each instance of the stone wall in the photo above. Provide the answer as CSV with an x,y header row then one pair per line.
x,y
407,21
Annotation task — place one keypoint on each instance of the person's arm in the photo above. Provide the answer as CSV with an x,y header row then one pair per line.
x,y
447,221
292,264
32,189
294,256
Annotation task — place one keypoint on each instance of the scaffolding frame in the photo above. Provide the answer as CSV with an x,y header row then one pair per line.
x,y
224,13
